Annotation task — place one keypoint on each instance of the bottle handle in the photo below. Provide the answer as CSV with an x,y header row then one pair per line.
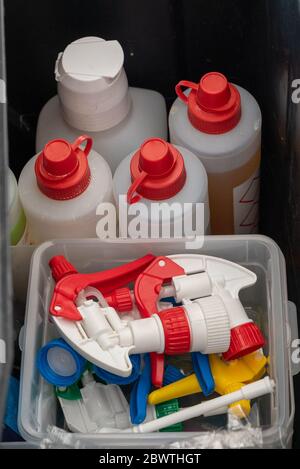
x,y
132,196
79,141
186,84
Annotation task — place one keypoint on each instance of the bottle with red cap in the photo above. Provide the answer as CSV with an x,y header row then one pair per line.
x,y
170,184
221,124
60,189
94,97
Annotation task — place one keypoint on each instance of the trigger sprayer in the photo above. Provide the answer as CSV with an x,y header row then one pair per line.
x,y
209,319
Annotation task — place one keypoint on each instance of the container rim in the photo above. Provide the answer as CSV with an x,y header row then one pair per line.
x,y
280,429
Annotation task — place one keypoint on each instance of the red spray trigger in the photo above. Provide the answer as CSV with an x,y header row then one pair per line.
x,y
69,286
146,293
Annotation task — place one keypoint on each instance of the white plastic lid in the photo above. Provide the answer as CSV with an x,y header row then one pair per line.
x,y
92,84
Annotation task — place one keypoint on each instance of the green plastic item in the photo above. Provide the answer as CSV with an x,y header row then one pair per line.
x,y
71,393
167,408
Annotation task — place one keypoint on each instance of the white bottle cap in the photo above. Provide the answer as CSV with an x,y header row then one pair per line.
x,y
92,84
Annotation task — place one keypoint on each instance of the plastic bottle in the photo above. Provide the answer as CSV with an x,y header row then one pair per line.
x,y
221,123
157,174
60,189
94,97
17,220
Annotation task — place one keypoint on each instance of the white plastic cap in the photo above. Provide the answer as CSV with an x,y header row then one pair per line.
x,y
92,84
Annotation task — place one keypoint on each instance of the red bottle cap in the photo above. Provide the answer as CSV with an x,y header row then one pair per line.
x,y
177,331
244,339
62,170
157,171
214,105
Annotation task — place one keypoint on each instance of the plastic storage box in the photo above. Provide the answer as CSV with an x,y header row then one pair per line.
x,y
267,298
5,278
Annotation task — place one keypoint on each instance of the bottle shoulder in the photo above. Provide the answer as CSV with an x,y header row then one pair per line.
x,y
147,117
145,93
139,98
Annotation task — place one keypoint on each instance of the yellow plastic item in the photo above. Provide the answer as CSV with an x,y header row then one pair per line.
x,y
228,376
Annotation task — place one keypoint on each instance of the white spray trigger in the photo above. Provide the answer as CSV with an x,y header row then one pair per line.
x,y
95,337
103,338
229,275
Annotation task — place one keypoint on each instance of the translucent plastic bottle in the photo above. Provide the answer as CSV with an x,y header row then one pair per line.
x,y
221,123
17,220
94,97
60,189
169,182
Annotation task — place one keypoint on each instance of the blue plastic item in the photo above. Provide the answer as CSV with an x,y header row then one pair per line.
x,y
142,387
11,413
170,299
203,372
172,374
111,378
60,364
139,394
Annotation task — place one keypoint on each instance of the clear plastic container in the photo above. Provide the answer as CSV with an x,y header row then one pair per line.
x,y
267,299
94,97
6,317
157,174
61,188
221,124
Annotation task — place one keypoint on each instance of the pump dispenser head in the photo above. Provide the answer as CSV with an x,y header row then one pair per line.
x,y
214,105
92,84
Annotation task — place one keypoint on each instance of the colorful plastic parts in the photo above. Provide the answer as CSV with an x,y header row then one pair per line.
x,y
111,378
228,377
139,394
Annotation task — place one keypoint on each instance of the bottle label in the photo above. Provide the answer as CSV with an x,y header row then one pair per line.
x,y
246,205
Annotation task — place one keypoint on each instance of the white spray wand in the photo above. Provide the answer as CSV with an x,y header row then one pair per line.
x,y
248,392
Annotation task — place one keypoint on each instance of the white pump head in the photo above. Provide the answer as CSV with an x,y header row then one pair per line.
x,y
92,84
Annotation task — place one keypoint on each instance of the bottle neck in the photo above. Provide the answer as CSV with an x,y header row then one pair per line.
x,y
92,109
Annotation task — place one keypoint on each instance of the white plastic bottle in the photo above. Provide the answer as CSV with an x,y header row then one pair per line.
x,y
17,220
221,123
94,97
168,182
60,189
